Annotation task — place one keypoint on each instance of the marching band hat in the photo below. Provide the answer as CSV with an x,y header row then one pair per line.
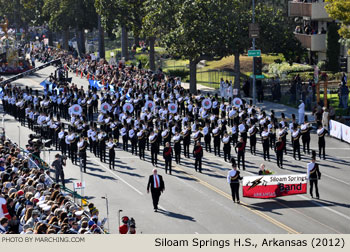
x,y
233,161
313,154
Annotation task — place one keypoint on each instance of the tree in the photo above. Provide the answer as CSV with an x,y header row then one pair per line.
x,y
71,14
333,47
340,10
116,13
156,22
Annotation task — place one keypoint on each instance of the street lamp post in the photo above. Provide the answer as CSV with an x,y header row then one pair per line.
x,y
120,210
106,198
254,78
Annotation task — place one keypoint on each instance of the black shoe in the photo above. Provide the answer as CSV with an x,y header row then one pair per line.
x,y
318,197
156,210
312,196
238,202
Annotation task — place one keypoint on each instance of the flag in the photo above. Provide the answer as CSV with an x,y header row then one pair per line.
x,y
84,202
92,83
95,84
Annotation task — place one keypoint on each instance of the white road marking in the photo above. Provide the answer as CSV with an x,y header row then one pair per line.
x,y
118,177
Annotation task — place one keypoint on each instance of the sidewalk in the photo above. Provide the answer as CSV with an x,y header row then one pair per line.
x,y
266,105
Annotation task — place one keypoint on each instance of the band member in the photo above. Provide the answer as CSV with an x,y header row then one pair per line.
x,y
154,148
227,147
240,149
102,146
124,134
233,178
252,138
82,146
62,139
283,132
156,184
166,136
141,136
295,141
168,156
243,130
72,137
197,135
186,133
111,152
305,135
321,141
216,136
265,143
272,132
177,147
198,154
133,139
279,152
313,174
207,137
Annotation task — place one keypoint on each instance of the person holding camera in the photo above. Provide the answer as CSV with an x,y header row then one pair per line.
x,y
57,165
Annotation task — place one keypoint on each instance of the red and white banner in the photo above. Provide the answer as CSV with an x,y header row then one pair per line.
x,y
335,129
271,186
345,133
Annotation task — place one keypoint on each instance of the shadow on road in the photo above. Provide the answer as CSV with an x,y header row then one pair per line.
x,y
176,215
270,206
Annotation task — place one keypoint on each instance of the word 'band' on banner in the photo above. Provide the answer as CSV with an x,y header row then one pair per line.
x,y
272,186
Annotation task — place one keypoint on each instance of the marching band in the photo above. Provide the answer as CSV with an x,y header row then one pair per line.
x,y
156,116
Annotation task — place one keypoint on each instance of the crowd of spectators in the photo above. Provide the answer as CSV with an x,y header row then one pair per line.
x,y
31,203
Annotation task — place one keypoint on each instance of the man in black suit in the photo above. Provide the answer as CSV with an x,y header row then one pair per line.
x,y
156,183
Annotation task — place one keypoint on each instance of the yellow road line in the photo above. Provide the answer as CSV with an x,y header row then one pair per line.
x,y
245,205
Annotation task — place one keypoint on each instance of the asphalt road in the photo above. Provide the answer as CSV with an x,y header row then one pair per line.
x,y
201,203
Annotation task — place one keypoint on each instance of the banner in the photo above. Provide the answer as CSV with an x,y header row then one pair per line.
x,y
345,133
335,129
272,186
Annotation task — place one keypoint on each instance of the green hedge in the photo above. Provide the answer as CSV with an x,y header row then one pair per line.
x,y
182,73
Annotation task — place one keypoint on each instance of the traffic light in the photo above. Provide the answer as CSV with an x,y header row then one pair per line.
x,y
344,64
257,65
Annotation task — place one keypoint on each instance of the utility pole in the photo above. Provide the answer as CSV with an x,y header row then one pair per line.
x,y
254,78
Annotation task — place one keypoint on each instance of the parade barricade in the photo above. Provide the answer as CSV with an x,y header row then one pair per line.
x,y
339,130
345,133
335,129
272,186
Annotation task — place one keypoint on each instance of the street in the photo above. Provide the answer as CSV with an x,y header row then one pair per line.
x,y
202,203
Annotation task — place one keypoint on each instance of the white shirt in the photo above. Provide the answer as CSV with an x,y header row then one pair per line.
x,y
301,108
231,174
156,177
310,166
